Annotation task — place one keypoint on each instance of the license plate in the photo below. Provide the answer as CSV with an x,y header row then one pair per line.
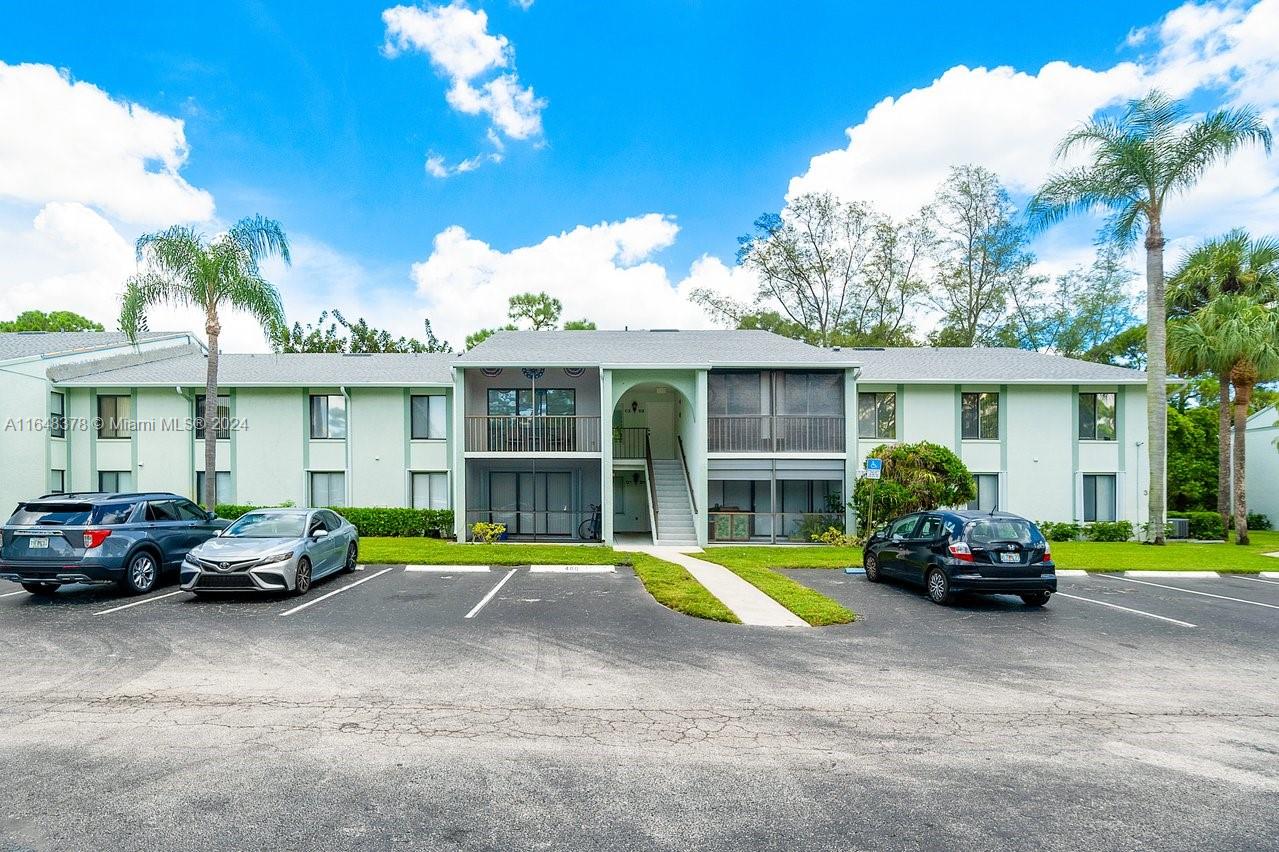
x,y
1010,557
37,544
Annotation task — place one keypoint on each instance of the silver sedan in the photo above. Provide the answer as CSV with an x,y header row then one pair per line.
x,y
273,550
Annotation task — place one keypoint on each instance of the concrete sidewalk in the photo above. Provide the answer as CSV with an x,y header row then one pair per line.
x,y
747,602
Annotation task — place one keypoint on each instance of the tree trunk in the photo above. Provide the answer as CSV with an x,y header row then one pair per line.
x,y
1223,455
1243,395
1156,378
210,496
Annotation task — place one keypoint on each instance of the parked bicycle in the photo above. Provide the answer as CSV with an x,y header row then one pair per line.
x,y
591,529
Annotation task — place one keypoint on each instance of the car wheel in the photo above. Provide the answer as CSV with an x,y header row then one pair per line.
x,y
938,586
140,574
351,555
302,577
871,566
1035,598
43,590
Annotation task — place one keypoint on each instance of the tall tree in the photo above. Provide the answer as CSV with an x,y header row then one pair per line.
x,y
354,337
184,267
832,272
1136,164
1239,337
51,321
982,260
540,310
1232,264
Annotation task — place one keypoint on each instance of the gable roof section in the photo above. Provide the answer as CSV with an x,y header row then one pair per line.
x,y
709,348
22,344
187,367
985,365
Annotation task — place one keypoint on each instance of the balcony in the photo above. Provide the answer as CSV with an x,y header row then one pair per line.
x,y
630,442
519,435
782,433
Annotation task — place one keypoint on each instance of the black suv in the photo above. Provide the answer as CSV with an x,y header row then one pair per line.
x,y
949,551
96,537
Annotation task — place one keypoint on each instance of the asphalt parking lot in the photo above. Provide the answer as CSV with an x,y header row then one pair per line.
x,y
514,709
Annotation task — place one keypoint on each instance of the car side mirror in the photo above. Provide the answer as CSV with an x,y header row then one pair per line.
x,y
896,538
212,516
320,533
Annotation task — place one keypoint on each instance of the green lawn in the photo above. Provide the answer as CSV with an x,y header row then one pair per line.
x,y
755,564
669,584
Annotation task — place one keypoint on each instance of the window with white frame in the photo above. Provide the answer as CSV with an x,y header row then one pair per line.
x,y
987,499
57,481
115,480
979,416
221,485
1099,497
430,490
57,415
115,416
328,488
426,415
328,416
1096,417
877,415
221,419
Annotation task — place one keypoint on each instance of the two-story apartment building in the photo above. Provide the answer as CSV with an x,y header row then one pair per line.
x,y
684,436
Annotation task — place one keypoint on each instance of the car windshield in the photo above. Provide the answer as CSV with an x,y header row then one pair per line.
x,y
71,514
1003,529
274,525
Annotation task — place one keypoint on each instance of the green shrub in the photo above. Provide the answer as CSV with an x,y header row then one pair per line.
x,y
1060,530
487,533
835,537
915,477
1109,531
1205,526
1258,521
375,520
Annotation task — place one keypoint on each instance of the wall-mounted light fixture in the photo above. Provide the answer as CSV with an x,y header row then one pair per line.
x,y
634,406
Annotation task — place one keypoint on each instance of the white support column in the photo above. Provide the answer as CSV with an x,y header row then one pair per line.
x,y
458,460
606,455
852,455
699,464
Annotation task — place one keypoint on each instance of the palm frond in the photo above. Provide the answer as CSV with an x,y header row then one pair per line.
x,y
1214,139
261,238
143,291
257,297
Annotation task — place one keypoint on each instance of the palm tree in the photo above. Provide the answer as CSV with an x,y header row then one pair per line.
x,y
184,267
1238,337
1139,161
1231,264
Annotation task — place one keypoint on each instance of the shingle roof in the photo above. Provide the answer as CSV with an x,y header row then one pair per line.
x,y
674,348
985,365
23,344
293,370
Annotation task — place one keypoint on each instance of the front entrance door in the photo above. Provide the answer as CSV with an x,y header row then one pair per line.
x,y
528,503
661,426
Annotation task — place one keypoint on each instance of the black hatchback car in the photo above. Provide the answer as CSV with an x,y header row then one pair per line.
x,y
949,551
97,537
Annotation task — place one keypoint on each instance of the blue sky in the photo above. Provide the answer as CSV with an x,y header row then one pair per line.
x,y
702,113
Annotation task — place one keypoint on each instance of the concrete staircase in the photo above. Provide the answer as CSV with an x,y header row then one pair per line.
x,y
674,509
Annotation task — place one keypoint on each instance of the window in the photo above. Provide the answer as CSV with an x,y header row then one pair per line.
x,y
162,510
979,416
813,394
221,420
426,414
1096,417
57,481
114,414
430,491
328,488
115,480
733,394
188,511
904,527
509,402
930,529
328,416
877,415
332,522
987,499
1099,497
57,415
221,486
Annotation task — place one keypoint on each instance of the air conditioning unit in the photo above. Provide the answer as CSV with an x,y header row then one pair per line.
x,y
1179,528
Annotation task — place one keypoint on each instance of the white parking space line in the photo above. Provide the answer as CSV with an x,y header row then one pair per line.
x,y
11,594
493,591
1071,572
448,569
1196,592
1254,579
1187,575
1127,609
140,603
572,569
335,592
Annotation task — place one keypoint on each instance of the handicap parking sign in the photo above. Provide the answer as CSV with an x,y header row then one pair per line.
x,y
874,467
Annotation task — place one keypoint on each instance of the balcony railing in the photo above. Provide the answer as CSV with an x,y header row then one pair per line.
x,y
782,433
538,434
628,442
796,527
528,524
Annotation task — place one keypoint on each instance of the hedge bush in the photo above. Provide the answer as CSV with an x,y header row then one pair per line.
x,y
1060,530
1108,531
1205,526
1258,521
375,520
